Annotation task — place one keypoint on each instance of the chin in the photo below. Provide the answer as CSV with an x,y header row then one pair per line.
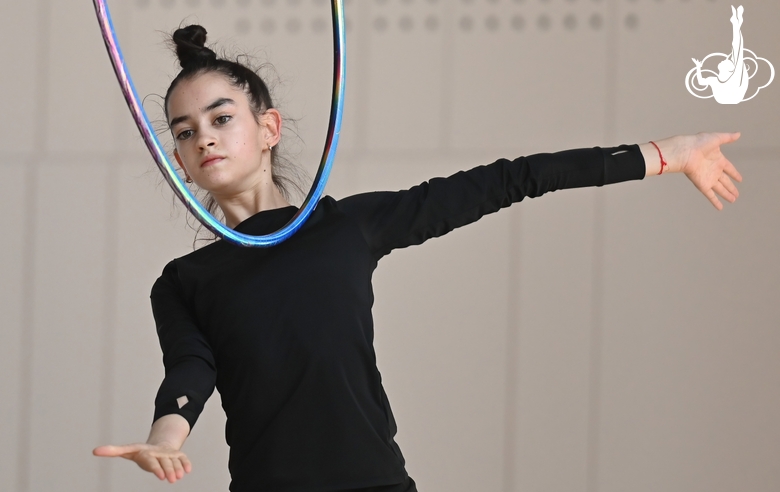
x,y
224,187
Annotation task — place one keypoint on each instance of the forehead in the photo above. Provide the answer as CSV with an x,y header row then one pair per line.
x,y
192,95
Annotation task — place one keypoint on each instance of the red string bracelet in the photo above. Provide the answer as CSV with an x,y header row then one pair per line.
x,y
663,162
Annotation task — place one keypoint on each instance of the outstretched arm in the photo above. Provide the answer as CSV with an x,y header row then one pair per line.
x,y
698,157
392,220
190,375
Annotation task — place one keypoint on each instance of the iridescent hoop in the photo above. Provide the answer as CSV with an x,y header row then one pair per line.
x,y
169,172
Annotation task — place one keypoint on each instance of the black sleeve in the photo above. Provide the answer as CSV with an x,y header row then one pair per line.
x,y
190,370
391,220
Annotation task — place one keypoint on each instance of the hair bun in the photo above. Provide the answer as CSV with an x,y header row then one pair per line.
x,y
191,48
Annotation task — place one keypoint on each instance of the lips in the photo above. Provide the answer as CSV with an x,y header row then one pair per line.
x,y
211,160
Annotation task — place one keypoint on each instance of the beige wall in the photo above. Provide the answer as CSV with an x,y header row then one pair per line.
x,y
597,340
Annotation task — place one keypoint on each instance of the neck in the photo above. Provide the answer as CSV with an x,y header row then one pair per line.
x,y
238,208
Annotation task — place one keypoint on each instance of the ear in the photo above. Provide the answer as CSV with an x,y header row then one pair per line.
x,y
180,162
271,127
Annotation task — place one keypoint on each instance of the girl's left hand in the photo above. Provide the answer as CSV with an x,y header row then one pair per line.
x,y
700,159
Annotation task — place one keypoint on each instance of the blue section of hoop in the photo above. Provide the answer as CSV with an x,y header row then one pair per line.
x,y
173,179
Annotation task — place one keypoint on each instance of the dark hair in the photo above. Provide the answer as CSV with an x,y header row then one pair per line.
x,y
196,59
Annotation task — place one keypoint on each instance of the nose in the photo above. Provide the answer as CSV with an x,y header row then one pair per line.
x,y
206,140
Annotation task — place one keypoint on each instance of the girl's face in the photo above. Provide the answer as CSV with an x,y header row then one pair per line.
x,y
219,143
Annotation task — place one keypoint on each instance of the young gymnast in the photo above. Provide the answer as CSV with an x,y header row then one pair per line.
x,y
286,333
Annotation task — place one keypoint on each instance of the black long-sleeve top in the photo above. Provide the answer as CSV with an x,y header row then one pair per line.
x,y
286,334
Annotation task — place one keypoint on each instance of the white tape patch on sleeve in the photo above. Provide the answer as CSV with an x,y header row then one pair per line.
x,y
182,400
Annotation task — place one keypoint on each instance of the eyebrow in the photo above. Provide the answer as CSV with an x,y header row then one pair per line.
x,y
219,102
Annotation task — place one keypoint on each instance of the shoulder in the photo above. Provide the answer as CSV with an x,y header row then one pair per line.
x,y
327,208
171,272
214,248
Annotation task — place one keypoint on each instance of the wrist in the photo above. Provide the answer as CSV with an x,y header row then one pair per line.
x,y
664,164
167,445
169,431
662,156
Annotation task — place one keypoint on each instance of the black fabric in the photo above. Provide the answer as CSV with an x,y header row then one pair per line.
x,y
408,485
286,333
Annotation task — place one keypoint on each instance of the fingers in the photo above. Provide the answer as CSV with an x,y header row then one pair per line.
x,y
727,138
103,451
729,169
178,469
116,451
725,188
173,468
710,194
152,465
709,170
167,466
732,172
723,192
185,462
729,186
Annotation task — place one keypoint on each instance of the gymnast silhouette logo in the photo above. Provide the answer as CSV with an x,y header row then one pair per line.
x,y
735,70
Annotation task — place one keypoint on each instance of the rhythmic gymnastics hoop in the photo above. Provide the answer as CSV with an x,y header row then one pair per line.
x,y
169,172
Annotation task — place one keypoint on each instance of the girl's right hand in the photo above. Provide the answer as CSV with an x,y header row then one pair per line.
x,y
163,460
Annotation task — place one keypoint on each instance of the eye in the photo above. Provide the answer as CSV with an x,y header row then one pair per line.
x,y
221,120
184,135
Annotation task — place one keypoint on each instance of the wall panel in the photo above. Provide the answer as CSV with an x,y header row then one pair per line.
x,y
68,321
555,315
527,77
404,74
82,95
19,44
684,403
13,225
